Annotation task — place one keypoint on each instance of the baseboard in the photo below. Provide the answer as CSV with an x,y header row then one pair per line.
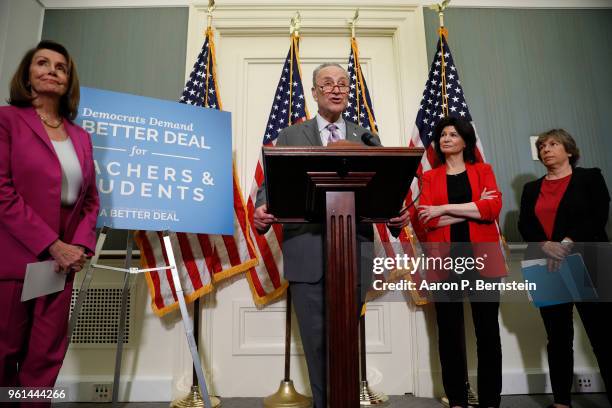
x,y
99,389
514,382
87,389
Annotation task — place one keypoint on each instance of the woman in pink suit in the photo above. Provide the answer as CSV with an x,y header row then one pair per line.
x,y
48,210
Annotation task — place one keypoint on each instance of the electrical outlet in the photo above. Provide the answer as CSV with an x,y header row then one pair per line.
x,y
534,149
101,392
584,383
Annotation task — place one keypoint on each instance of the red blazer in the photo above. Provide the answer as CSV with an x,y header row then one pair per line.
x,y
30,191
434,192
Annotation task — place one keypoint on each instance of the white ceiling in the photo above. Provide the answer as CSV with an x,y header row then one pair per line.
x,y
365,3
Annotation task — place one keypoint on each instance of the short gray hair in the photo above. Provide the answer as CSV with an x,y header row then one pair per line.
x,y
325,65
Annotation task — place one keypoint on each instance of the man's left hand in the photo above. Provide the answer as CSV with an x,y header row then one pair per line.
x,y
401,221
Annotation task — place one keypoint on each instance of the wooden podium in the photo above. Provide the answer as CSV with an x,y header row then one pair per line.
x,y
339,186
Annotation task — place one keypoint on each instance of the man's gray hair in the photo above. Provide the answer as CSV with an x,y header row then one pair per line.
x,y
325,65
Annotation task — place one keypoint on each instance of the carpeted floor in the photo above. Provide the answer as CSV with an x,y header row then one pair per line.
x,y
397,401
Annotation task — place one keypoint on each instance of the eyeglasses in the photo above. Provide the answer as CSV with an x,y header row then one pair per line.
x,y
329,88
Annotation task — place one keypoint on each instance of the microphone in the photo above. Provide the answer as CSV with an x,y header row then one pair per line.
x,y
370,140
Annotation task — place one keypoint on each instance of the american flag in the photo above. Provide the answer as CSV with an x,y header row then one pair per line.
x,y
443,96
202,260
360,111
288,108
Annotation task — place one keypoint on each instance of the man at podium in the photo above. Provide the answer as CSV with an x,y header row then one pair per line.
x,y
303,244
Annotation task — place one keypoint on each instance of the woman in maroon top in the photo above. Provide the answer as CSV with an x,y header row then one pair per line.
x,y
569,205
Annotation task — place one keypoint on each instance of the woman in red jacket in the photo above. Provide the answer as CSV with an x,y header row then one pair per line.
x,y
459,204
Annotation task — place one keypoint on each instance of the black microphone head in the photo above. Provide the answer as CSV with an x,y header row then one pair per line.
x,y
369,139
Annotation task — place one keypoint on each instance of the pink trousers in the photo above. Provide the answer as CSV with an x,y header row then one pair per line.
x,y
33,336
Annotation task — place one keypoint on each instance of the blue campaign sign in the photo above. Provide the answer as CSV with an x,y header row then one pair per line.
x,y
160,165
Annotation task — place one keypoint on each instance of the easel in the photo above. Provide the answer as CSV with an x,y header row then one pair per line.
x,y
128,270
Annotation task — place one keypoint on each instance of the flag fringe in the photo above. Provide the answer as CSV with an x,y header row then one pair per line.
x,y
213,56
270,297
215,277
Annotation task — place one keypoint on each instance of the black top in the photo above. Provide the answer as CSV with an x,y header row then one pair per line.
x,y
459,192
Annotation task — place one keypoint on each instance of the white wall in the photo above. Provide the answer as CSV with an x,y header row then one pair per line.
x,y
20,28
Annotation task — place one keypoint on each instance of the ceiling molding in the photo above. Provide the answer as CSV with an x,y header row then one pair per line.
x,y
514,4
317,20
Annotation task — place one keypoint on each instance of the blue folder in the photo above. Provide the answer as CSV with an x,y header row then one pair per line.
x,y
571,283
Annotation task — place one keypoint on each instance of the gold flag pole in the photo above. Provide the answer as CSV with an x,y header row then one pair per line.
x,y
367,396
440,7
209,13
287,396
194,398
353,23
443,32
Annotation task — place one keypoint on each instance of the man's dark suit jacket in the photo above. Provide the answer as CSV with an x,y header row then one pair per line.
x,y
303,246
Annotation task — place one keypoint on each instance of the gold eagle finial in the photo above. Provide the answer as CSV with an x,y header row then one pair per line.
x,y
353,23
440,7
209,11
296,22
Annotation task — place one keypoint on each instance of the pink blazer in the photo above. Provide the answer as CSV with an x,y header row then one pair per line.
x,y
30,192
